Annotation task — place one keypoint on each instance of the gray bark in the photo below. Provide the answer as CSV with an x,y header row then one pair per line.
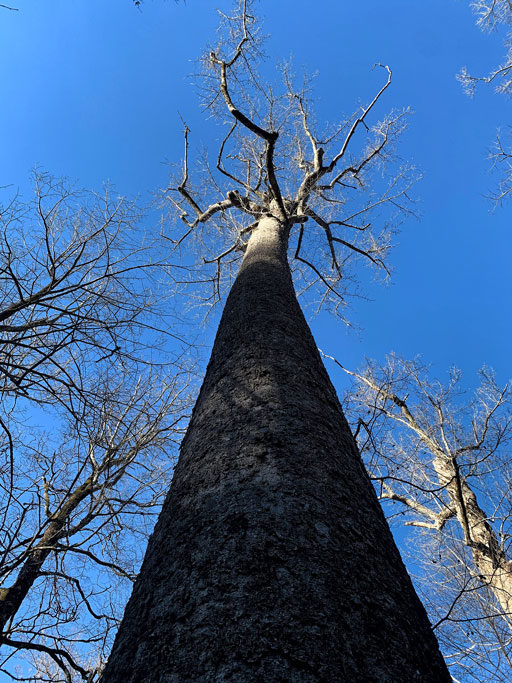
x,y
271,560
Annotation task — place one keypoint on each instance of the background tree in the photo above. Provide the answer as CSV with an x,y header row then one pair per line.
x,y
495,15
492,15
271,558
91,408
440,464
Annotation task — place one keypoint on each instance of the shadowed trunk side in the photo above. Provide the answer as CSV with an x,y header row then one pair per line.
x,y
271,559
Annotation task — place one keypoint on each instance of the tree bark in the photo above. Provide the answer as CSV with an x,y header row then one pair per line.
x,y
271,559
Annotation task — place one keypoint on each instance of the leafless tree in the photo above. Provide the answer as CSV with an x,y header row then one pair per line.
x,y
441,464
92,404
341,187
282,566
492,15
495,15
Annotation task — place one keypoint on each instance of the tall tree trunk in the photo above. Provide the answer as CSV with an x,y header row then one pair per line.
x,y
271,559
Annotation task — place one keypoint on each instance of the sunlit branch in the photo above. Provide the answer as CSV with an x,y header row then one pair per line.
x,y
360,120
332,238
310,265
270,137
57,654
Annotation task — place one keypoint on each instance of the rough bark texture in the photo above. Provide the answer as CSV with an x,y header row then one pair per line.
x,y
271,560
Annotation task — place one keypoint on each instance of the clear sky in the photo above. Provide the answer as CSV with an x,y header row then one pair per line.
x,y
91,90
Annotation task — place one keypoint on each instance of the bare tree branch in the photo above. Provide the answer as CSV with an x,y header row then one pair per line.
x,y
81,339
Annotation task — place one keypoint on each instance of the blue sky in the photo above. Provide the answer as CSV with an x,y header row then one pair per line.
x,y
91,90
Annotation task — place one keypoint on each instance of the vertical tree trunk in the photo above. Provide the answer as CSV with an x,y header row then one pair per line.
x,y
271,560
